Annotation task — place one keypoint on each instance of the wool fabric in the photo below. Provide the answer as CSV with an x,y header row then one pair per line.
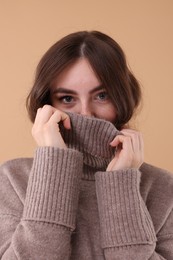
x,y
63,204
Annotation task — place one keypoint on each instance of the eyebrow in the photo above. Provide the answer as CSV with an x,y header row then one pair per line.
x,y
69,91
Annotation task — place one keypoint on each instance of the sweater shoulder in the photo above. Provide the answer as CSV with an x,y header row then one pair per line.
x,y
18,167
14,176
152,175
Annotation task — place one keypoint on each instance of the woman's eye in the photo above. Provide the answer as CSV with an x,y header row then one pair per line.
x,y
102,96
66,99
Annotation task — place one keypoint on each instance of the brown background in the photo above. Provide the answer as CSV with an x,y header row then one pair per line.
x,y
143,28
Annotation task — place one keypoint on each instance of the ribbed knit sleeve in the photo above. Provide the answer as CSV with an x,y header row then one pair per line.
x,y
49,214
124,218
53,188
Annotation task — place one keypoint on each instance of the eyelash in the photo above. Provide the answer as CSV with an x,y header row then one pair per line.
x,y
103,93
64,97
97,97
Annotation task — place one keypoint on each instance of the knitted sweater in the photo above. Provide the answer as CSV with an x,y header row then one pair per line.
x,y
62,204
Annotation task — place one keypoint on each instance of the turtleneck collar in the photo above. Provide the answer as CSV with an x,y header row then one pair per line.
x,y
91,136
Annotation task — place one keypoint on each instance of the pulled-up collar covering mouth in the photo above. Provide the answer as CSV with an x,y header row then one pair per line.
x,y
91,136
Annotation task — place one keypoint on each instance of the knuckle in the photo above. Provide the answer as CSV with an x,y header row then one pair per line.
x,y
38,109
47,107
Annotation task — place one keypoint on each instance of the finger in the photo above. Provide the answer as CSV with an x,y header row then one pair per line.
x,y
44,114
59,116
137,143
66,121
125,142
136,138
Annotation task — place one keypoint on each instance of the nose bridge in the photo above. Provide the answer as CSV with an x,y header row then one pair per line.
x,y
86,108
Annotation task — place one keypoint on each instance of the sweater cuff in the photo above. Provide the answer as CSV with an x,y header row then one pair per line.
x,y
53,186
124,218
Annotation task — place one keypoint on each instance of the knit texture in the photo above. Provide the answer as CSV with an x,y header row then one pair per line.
x,y
123,214
56,198
92,138
62,204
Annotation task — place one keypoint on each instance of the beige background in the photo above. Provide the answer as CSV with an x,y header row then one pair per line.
x,y
144,28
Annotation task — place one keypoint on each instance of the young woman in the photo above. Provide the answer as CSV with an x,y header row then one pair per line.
x,y
86,194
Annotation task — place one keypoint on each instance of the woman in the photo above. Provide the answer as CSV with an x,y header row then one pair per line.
x,y
86,194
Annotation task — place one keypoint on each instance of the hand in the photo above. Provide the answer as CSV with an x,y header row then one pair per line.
x,y
129,151
46,129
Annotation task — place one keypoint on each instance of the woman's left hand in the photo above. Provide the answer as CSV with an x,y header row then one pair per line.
x,y
129,151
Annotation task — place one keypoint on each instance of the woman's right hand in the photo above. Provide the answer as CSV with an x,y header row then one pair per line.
x,y
46,129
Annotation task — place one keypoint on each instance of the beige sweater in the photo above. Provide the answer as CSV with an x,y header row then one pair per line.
x,y
64,205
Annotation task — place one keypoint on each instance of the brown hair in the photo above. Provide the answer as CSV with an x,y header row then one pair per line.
x,y
108,62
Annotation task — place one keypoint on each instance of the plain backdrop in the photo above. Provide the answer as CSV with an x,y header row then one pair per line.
x,y
143,28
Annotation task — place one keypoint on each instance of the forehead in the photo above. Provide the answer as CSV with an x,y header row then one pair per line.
x,y
78,74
